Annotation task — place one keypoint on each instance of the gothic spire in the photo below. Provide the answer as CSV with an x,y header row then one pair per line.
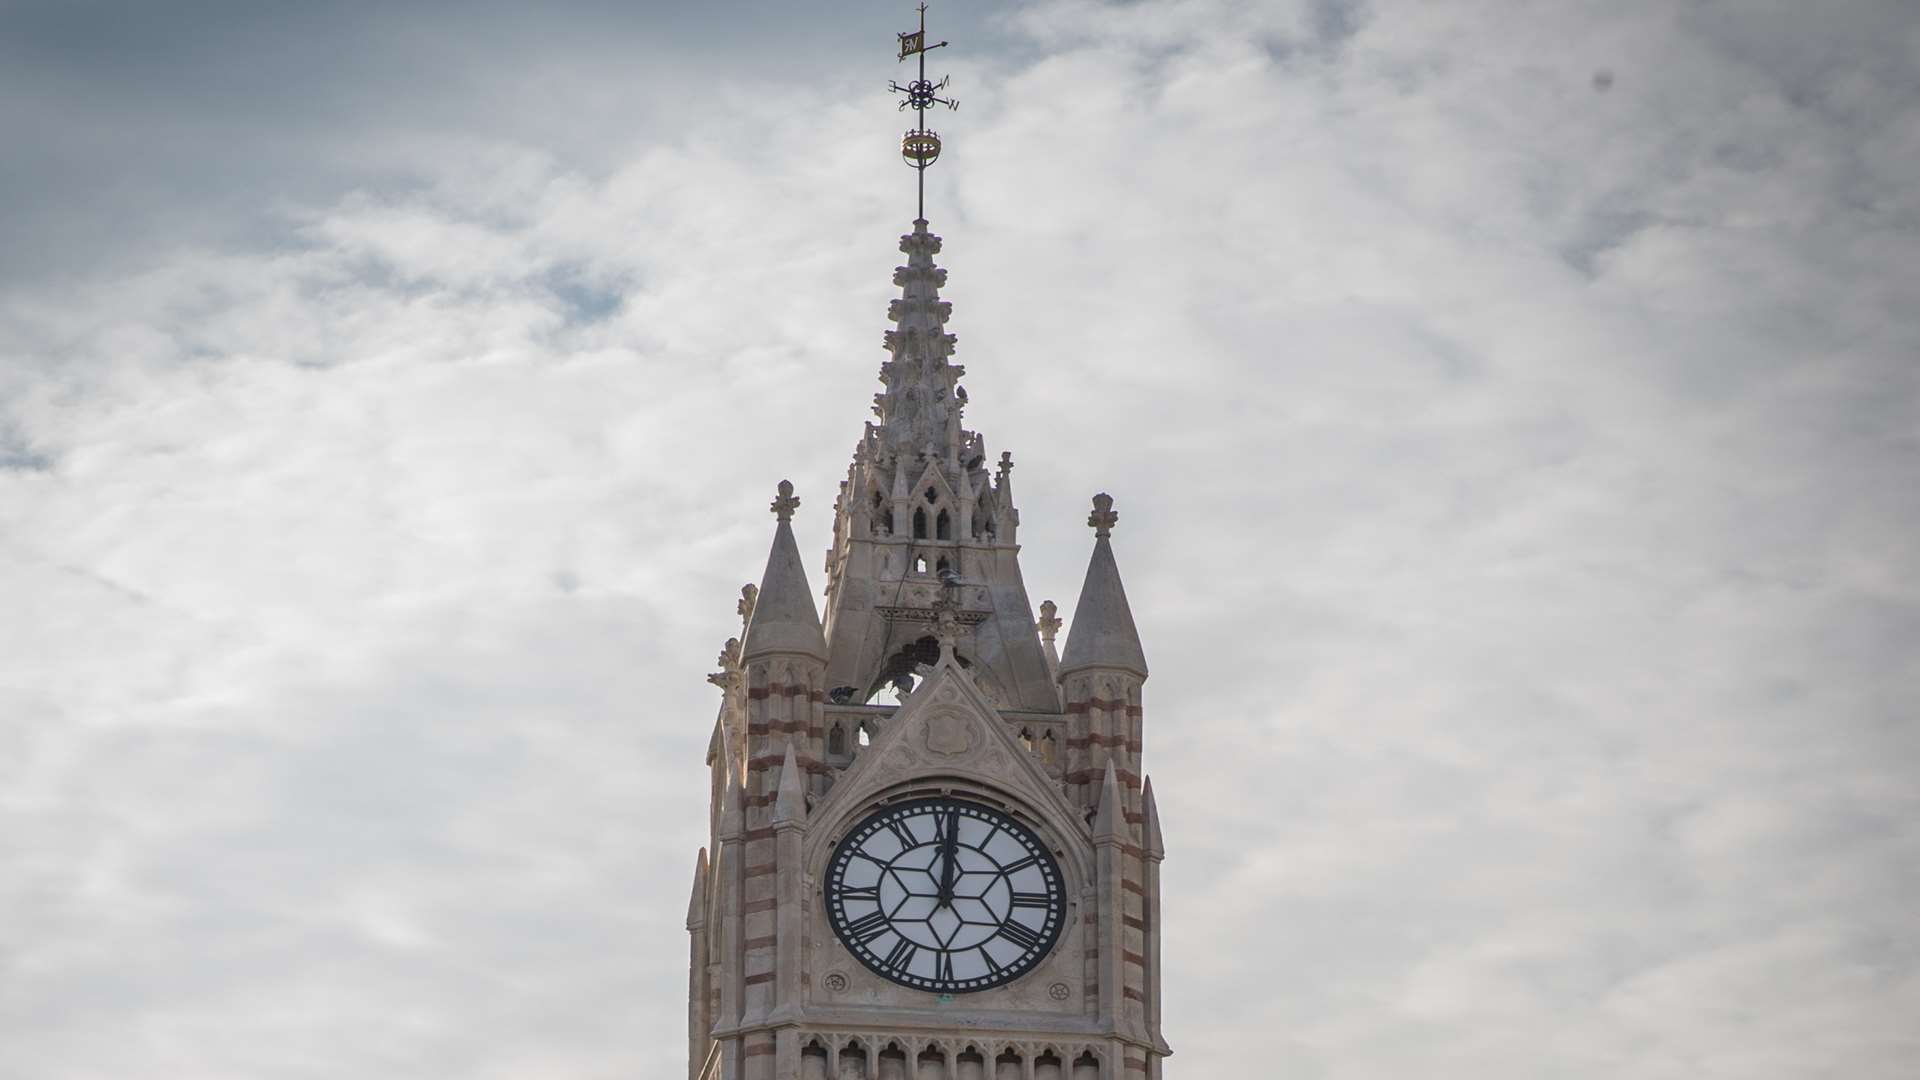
x,y
783,618
920,402
1103,635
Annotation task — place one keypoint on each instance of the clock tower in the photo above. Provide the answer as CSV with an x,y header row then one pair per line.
x,y
933,855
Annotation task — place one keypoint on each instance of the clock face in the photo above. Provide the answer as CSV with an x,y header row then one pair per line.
x,y
945,895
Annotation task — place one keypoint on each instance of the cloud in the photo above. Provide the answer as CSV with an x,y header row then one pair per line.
x,y
1515,492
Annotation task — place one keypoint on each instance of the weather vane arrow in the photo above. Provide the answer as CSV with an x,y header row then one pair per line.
x,y
920,146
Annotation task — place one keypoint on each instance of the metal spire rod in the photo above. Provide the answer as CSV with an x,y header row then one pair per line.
x,y
920,147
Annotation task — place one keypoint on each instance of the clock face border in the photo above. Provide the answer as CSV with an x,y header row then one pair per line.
x,y
876,821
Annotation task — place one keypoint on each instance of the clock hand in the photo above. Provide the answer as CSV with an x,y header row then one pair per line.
x,y
948,844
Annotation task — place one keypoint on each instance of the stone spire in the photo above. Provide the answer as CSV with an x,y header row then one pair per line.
x,y
921,400
1103,635
924,521
783,618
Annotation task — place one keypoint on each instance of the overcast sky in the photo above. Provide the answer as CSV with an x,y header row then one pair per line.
x,y
1513,410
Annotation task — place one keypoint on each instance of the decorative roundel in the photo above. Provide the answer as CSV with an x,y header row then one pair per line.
x,y
945,895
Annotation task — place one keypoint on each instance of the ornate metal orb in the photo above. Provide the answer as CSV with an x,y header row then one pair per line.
x,y
920,148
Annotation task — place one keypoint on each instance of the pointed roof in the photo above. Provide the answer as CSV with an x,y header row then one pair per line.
x,y
1155,844
697,904
784,619
790,804
1103,635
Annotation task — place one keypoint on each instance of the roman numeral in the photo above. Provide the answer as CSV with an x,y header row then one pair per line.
x,y
872,892
868,927
904,834
993,967
1016,867
901,955
944,969
1026,899
1019,935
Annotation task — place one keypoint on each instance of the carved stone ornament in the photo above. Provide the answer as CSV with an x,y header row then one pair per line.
x,y
1058,991
835,982
948,734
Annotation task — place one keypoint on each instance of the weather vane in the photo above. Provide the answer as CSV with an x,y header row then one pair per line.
x,y
920,147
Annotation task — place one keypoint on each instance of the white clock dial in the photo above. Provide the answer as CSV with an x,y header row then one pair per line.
x,y
945,895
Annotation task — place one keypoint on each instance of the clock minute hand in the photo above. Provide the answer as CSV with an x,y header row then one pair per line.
x,y
948,846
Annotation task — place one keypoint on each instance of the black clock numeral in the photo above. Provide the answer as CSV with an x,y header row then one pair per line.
x,y
1020,864
868,927
903,834
1030,899
993,966
901,955
1019,935
944,969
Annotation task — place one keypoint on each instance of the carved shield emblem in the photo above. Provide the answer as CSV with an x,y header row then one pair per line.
x,y
947,734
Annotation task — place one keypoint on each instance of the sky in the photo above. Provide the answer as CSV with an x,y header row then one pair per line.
x,y
1512,410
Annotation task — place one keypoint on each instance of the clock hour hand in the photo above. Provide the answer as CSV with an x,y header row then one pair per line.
x,y
948,849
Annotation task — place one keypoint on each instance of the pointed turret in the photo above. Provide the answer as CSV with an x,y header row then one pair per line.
x,y
783,618
1103,635
1110,819
790,803
1156,847
697,904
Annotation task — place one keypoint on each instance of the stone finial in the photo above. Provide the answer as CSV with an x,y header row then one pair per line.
x,y
785,504
1103,519
749,595
1006,463
1049,621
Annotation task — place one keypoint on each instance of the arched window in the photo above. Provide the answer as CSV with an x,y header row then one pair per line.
x,y
1026,740
920,524
942,566
866,733
919,564
837,740
943,526
1048,748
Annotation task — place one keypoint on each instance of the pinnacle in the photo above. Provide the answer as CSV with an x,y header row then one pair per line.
x,y
790,803
1110,818
1156,846
1103,634
782,618
697,903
